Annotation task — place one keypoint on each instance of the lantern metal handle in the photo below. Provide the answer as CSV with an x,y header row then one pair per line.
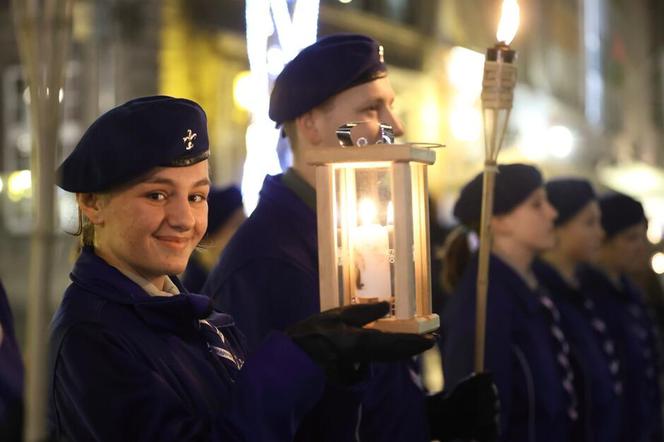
x,y
385,135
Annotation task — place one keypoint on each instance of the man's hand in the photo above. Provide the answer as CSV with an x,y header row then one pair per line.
x,y
470,412
336,340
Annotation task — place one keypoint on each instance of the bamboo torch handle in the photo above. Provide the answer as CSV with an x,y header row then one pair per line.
x,y
488,184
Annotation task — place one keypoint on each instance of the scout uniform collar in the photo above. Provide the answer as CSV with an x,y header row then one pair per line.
x,y
300,187
178,313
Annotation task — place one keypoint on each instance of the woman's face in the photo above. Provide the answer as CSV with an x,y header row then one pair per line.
x,y
627,250
581,236
151,227
530,224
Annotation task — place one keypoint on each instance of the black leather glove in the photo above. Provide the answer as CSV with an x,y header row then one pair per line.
x,y
471,411
335,339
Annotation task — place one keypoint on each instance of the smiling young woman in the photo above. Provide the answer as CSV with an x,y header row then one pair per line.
x,y
151,227
135,356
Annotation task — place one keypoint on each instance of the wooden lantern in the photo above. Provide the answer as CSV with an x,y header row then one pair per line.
x,y
373,231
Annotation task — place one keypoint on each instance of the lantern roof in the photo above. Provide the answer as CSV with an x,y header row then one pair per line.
x,y
374,153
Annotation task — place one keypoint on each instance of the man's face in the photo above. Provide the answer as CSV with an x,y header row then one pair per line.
x,y
151,227
370,102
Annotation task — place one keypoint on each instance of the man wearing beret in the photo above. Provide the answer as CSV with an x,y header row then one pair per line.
x,y
268,275
621,304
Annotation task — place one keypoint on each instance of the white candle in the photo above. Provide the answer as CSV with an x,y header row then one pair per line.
x,y
371,244
371,254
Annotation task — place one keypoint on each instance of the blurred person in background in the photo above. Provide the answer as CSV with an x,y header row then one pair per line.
x,y
225,214
579,235
621,304
526,350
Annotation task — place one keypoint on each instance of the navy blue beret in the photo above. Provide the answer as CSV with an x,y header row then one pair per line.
x,y
619,212
131,139
222,203
514,183
329,66
568,196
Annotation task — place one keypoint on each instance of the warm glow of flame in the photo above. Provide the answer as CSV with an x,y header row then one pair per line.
x,y
390,213
367,211
509,21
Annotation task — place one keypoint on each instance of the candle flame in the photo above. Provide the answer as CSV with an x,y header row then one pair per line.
x,y
509,21
367,211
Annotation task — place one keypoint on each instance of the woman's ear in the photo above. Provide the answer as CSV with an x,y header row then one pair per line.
x,y
307,127
91,205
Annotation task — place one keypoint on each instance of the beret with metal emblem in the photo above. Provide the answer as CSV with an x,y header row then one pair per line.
x,y
514,184
568,196
620,212
329,66
130,140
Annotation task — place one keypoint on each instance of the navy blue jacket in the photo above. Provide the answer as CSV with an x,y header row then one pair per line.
x,y
11,375
520,352
267,279
632,331
600,399
129,366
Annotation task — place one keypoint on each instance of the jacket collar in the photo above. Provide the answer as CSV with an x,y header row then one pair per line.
x,y
499,270
550,278
177,313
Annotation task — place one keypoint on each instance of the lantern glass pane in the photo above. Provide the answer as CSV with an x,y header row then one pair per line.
x,y
365,240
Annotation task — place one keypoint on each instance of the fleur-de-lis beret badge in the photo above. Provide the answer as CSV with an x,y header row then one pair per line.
x,y
188,140
381,54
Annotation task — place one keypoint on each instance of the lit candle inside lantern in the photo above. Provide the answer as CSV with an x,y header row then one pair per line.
x,y
371,247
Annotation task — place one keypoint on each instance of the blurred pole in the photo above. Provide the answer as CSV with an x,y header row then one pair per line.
x,y
43,29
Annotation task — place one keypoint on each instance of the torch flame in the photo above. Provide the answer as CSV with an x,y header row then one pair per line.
x,y
509,21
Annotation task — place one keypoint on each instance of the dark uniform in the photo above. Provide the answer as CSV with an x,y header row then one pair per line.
x,y
621,304
267,279
600,384
526,349
129,366
521,353
11,375
632,331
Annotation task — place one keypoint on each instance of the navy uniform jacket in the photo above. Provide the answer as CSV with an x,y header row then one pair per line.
x,y
632,332
520,352
129,366
11,375
267,279
600,400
